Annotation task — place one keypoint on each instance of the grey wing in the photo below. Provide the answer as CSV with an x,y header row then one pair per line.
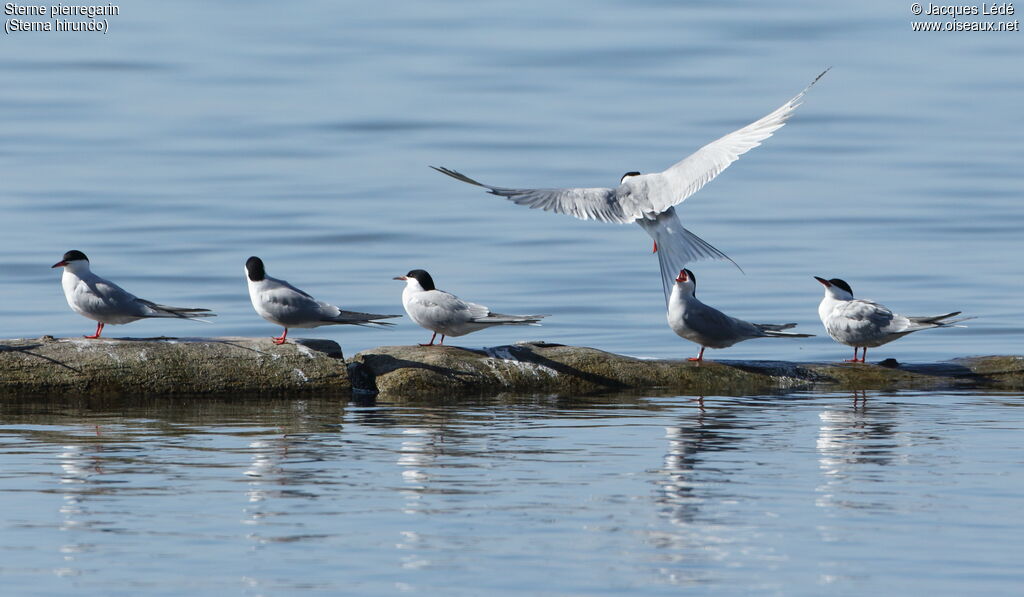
x,y
864,317
714,324
477,311
443,308
687,176
278,283
600,204
102,296
290,302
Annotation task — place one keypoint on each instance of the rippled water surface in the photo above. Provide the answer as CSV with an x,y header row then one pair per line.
x,y
195,134
798,495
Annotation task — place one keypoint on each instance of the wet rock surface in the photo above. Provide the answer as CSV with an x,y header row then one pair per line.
x,y
409,372
170,366
251,366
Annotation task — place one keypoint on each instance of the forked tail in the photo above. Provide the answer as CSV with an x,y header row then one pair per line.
x,y
772,334
501,319
194,314
938,321
677,247
774,330
363,319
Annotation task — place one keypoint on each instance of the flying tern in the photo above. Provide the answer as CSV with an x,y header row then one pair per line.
x,y
650,199
446,314
710,328
866,324
105,302
282,304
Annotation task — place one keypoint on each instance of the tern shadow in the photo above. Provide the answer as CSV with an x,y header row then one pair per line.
x,y
28,351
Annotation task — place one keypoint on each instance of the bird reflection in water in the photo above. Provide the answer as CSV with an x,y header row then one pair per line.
x,y
856,445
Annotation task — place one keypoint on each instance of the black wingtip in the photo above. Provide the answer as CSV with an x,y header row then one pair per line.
x,y
459,176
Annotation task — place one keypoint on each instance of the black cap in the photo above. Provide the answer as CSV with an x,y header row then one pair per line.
x,y
841,284
75,256
254,269
423,278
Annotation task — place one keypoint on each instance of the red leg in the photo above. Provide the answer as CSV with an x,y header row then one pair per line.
x,y
280,340
432,340
99,328
655,247
441,343
854,359
864,355
699,358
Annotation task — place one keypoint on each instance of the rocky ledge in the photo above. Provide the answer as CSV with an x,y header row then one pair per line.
x,y
249,366
411,372
170,366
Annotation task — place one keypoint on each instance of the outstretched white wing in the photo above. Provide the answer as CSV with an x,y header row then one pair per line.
x,y
686,177
648,195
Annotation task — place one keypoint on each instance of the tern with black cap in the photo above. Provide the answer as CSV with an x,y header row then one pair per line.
x,y
107,303
650,199
282,304
446,314
710,328
864,324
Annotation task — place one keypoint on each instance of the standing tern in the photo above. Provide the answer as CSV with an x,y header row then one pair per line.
x,y
862,323
709,327
105,302
282,304
446,314
650,199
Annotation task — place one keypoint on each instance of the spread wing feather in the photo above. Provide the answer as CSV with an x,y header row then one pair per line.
x,y
648,195
599,204
686,177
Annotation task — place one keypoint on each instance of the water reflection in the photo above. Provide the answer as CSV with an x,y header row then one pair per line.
x,y
676,490
79,465
414,455
694,483
855,440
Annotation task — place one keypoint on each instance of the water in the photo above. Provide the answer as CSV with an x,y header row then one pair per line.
x,y
196,134
902,494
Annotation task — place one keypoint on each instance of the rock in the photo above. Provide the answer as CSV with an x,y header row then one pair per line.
x,y
247,366
413,372
171,366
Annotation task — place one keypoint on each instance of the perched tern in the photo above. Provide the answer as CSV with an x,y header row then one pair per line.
x,y
709,327
446,314
282,304
105,302
650,199
862,323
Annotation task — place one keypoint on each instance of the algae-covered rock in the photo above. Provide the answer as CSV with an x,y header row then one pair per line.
x,y
410,372
1006,372
248,366
170,366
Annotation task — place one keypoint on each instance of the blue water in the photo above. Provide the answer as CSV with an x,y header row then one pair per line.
x,y
196,134
907,494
